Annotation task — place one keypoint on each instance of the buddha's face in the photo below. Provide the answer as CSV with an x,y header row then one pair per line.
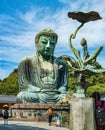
x,y
46,45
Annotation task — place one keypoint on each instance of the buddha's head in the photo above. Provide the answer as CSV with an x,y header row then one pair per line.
x,y
46,41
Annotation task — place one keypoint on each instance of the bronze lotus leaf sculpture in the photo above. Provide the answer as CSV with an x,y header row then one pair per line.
x,y
84,17
86,62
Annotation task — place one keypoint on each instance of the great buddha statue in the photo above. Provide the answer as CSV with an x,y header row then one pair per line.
x,y
42,77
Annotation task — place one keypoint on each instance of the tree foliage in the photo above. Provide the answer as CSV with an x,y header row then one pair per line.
x,y
9,86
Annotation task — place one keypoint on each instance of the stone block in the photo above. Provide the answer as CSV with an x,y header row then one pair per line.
x,y
82,114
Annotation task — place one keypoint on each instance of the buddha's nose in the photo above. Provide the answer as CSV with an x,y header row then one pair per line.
x,y
48,44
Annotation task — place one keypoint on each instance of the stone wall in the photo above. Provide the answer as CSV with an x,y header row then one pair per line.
x,y
37,112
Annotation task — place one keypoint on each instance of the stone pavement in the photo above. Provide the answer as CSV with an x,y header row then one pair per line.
x,y
22,125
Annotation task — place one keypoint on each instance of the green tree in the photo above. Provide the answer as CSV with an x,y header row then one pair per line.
x,y
9,86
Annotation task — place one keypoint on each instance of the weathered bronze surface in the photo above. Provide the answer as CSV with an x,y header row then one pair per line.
x,y
42,77
86,63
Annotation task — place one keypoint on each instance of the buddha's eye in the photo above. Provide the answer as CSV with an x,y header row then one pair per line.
x,y
44,42
52,43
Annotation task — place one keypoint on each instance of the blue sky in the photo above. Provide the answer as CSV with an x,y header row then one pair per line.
x,y
21,20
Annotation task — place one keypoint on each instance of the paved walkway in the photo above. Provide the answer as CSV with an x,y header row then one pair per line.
x,y
20,125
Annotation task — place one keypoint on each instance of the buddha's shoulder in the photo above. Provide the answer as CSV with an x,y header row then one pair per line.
x,y
60,61
28,58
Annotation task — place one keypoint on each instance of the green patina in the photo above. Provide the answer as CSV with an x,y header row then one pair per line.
x,y
42,77
86,63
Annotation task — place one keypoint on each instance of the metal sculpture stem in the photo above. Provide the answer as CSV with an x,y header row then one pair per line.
x,y
76,53
74,35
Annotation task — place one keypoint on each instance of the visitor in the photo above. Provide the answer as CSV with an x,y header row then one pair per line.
x,y
99,105
5,113
50,115
56,120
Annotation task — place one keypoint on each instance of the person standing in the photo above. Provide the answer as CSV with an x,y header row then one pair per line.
x,y
5,114
99,104
50,115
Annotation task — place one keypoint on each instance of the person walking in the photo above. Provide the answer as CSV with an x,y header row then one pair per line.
x,y
50,115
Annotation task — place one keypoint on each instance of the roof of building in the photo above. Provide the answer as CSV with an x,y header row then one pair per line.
x,y
7,98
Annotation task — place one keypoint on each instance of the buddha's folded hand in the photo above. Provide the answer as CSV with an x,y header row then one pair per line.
x,y
32,88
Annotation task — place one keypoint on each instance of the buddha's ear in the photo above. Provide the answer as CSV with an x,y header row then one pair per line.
x,y
37,46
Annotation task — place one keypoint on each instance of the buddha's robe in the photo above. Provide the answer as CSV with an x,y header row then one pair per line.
x,y
41,81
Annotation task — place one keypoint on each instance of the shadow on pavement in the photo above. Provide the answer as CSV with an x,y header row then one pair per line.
x,y
19,127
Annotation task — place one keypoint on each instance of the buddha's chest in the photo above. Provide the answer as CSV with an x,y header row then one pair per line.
x,y
47,74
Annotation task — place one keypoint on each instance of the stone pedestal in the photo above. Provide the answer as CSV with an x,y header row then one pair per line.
x,y
82,114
